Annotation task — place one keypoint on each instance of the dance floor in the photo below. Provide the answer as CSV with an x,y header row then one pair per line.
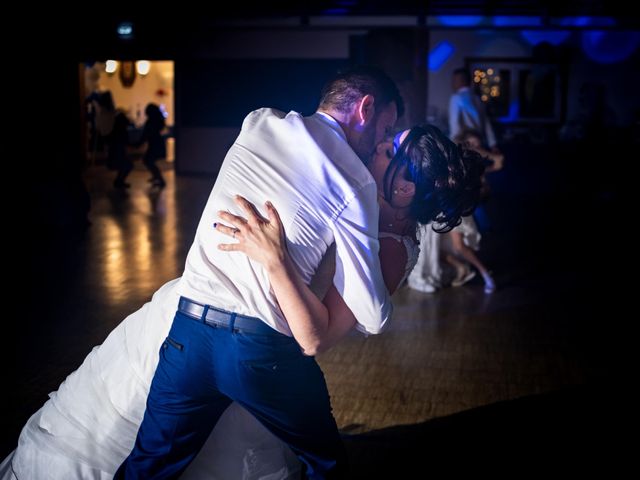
x,y
524,374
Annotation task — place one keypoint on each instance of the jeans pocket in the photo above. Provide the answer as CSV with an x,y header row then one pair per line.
x,y
173,354
174,344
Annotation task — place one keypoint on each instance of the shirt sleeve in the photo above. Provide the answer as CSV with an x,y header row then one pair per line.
x,y
488,131
454,114
358,276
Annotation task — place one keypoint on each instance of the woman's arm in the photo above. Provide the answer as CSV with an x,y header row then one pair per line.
x,y
496,158
315,324
393,261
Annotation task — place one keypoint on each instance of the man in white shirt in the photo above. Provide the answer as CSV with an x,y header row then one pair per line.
x,y
467,113
466,110
229,339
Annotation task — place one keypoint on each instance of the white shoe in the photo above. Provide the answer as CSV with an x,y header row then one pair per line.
x,y
463,278
489,284
420,285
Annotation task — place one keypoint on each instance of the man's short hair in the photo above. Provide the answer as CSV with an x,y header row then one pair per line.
x,y
348,87
464,74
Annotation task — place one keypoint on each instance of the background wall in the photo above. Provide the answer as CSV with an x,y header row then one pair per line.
x,y
232,73
235,72
466,43
610,70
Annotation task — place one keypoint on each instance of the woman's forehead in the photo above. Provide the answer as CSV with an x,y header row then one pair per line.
x,y
398,139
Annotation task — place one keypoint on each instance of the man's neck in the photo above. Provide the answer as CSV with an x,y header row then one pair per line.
x,y
341,118
345,120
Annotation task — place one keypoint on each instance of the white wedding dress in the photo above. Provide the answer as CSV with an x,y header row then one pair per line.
x,y
88,427
431,272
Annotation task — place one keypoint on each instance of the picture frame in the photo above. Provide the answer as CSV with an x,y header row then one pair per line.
x,y
519,90
127,73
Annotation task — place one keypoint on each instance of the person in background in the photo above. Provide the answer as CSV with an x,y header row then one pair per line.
x,y
461,243
455,250
467,112
458,248
156,148
118,159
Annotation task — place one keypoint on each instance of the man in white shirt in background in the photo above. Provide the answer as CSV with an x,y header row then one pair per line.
x,y
229,340
466,110
467,113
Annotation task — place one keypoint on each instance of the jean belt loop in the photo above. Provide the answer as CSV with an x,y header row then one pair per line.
x,y
204,314
232,320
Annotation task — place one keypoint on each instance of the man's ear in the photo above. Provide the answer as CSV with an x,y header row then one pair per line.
x,y
366,109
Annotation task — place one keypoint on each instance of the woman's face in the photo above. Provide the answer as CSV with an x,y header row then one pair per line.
x,y
473,142
402,190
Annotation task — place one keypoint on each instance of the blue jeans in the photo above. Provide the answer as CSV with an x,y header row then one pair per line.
x,y
202,369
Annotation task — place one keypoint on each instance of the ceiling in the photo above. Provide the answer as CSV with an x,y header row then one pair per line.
x,y
425,7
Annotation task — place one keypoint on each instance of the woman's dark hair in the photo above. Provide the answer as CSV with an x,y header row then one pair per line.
x,y
465,134
346,88
447,177
154,115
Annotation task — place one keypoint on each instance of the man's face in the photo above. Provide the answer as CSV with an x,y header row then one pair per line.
x,y
379,128
458,81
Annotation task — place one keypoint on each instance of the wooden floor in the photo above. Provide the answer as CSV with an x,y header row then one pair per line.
x,y
517,374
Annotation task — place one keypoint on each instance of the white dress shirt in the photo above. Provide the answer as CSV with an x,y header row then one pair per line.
x,y
466,110
324,194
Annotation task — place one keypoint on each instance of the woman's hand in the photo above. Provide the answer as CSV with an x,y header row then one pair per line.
x,y
262,240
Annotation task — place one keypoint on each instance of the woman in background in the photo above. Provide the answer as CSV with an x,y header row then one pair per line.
x,y
446,260
156,148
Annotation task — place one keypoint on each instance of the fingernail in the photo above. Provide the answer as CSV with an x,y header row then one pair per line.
x,y
215,224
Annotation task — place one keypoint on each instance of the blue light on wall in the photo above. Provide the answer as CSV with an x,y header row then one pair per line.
x,y
587,21
439,55
514,113
516,21
342,8
336,11
609,47
459,20
554,37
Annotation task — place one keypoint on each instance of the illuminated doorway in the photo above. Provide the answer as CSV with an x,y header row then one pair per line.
x,y
132,86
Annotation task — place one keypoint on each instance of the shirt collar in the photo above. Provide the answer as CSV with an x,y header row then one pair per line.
x,y
331,122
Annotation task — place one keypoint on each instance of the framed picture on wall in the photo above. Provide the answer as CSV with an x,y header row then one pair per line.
x,y
518,89
127,73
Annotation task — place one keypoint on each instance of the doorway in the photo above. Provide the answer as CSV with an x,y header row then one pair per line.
x,y
131,86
